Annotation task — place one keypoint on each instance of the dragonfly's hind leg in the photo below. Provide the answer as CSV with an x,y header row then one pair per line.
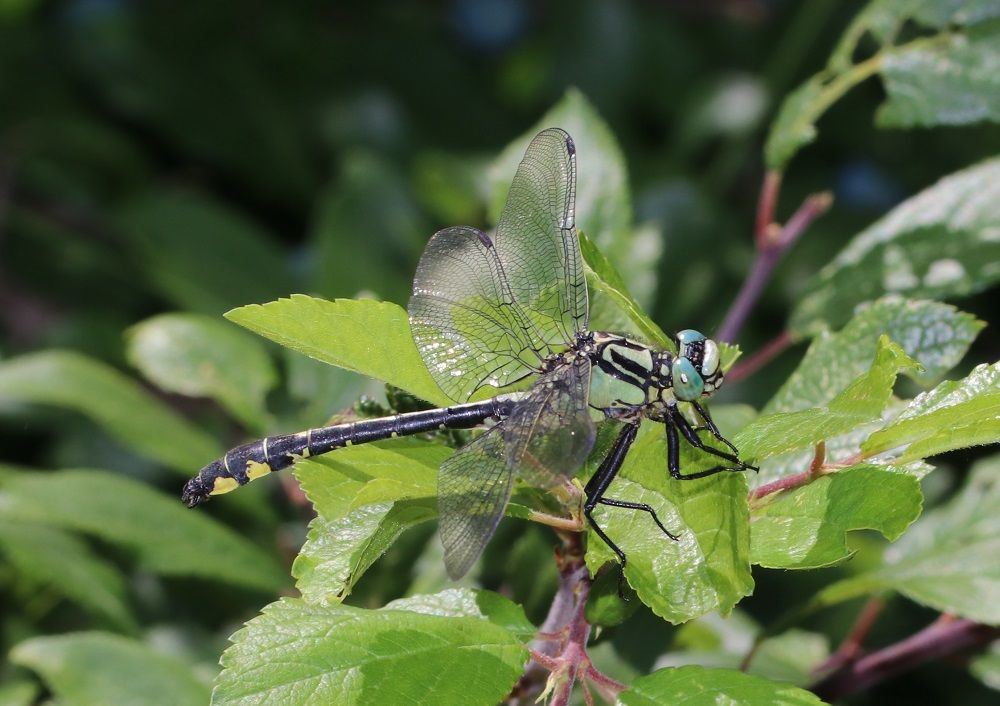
x,y
598,484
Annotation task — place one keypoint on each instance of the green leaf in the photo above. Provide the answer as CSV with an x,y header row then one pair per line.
x,y
115,402
368,337
102,668
806,528
612,308
296,653
708,568
472,603
203,255
795,126
941,243
711,641
166,537
953,81
862,401
935,335
697,686
603,201
64,564
948,560
364,497
199,356
986,667
368,203
17,692
954,415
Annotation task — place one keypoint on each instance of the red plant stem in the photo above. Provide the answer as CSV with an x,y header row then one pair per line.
x,y
941,638
852,645
772,244
761,357
765,204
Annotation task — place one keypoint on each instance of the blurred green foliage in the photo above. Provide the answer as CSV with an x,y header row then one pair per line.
x,y
163,163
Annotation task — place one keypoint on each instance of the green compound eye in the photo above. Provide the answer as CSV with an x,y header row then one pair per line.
x,y
688,384
685,338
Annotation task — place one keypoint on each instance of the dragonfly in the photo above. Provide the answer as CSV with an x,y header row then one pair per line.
x,y
491,311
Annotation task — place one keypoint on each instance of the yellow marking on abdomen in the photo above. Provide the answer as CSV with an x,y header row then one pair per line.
x,y
222,485
256,469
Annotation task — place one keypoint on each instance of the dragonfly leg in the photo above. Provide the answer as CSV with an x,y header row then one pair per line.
x,y
710,425
598,485
675,422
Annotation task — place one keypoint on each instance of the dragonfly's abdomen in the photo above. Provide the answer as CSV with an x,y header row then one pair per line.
x,y
245,463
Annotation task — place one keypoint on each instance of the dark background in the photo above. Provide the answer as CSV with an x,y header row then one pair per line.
x,y
159,156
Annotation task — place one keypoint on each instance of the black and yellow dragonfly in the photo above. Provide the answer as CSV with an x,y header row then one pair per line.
x,y
492,310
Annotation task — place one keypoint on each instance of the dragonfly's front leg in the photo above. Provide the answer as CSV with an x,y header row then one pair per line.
x,y
675,421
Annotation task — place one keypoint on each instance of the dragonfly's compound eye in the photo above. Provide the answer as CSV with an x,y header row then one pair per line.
x,y
709,358
688,384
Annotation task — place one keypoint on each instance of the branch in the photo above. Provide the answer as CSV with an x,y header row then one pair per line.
x,y
772,243
943,637
761,357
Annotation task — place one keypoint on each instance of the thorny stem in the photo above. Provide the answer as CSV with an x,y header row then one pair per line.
x,y
559,654
772,243
943,637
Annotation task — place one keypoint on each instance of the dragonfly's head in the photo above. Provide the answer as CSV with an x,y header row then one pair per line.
x,y
696,371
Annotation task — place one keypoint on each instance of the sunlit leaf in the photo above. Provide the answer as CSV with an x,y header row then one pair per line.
x,y
115,402
936,335
956,414
862,401
364,497
942,243
806,528
708,567
472,603
165,537
369,337
296,653
698,686
953,81
102,668
201,356
948,559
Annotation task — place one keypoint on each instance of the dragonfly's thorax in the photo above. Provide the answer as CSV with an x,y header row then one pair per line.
x,y
629,378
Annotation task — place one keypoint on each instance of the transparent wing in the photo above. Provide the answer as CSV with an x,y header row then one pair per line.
x,y
536,237
549,434
474,486
488,310
468,327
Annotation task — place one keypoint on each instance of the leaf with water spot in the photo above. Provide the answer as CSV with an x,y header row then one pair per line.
x,y
940,244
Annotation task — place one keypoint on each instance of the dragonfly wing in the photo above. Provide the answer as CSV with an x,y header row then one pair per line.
x,y
536,238
549,434
468,327
489,310
474,486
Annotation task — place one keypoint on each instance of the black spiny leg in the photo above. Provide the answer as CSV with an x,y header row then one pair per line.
x,y
710,425
598,484
677,421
